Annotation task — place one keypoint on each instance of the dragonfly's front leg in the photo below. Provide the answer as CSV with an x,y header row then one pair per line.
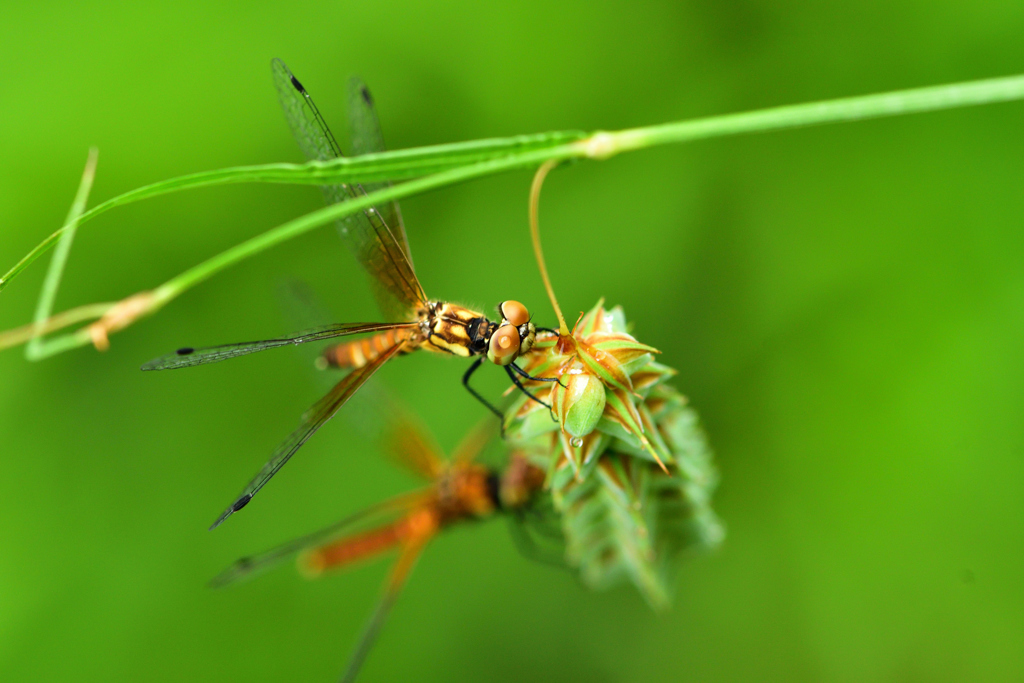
x,y
525,374
465,383
515,380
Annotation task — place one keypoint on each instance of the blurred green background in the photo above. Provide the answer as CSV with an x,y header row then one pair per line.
x,y
845,306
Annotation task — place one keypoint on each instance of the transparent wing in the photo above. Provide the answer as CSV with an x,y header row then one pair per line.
x,y
322,411
188,356
248,567
382,252
308,127
365,137
303,309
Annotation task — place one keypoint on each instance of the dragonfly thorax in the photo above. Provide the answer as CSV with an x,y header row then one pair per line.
x,y
465,332
455,329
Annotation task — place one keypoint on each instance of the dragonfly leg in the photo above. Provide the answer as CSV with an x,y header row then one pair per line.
x,y
547,329
515,380
465,383
523,373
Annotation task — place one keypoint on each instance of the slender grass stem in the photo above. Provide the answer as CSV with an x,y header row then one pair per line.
x,y
896,103
329,214
23,334
416,162
396,165
147,303
538,251
36,347
438,166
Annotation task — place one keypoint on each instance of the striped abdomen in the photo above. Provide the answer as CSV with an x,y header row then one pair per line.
x,y
356,354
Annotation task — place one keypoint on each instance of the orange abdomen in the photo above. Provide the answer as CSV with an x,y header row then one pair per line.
x,y
356,547
356,354
421,524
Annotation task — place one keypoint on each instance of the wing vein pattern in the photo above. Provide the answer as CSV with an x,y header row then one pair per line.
x,y
376,236
188,357
314,418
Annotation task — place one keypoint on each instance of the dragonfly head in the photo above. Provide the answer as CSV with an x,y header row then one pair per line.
x,y
514,336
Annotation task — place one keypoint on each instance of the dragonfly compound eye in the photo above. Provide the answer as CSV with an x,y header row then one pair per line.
x,y
504,345
514,312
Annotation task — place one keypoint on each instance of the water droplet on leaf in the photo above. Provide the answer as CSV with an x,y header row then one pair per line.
x,y
576,441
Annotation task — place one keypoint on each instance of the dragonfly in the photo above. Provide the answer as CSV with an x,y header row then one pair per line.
x,y
460,490
377,238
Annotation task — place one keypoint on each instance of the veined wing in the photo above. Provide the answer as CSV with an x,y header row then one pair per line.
x,y
247,567
309,128
188,356
314,418
376,245
366,137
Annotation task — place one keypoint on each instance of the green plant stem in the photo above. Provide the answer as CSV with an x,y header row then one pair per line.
x,y
73,316
416,162
176,286
395,165
918,100
36,347
329,214
500,155
857,107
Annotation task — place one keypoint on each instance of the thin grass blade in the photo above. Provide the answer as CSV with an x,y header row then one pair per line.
x,y
37,348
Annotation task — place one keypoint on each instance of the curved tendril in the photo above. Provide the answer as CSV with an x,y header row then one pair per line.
x,y
538,182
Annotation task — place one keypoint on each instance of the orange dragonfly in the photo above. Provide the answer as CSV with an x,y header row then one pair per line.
x,y
460,490
378,240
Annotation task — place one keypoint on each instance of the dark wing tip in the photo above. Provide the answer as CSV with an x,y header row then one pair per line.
x,y
356,85
278,64
232,509
185,351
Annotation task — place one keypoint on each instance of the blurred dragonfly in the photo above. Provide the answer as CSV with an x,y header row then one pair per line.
x,y
460,490
377,238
